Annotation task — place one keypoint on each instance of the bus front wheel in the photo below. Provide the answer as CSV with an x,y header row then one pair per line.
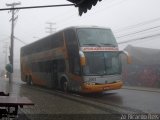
x,y
64,85
29,80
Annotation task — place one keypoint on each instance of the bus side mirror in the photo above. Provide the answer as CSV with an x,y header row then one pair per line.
x,y
129,61
82,58
82,61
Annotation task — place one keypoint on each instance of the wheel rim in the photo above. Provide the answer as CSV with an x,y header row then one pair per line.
x,y
65,86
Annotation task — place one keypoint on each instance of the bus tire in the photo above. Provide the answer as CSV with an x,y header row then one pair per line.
x,y
64,85
26,79
29,80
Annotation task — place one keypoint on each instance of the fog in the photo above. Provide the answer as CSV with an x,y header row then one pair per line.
x,y
124,17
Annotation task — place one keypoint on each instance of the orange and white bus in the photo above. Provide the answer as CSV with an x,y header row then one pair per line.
x,y
82,59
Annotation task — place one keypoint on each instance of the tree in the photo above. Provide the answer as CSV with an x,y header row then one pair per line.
x,y
84,5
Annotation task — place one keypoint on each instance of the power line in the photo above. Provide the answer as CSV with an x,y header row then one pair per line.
x,y
20,40
98,11
137,25
138,31
138,39
71,16
31,7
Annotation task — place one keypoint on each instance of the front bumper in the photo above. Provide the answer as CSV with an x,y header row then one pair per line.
x,y
101,88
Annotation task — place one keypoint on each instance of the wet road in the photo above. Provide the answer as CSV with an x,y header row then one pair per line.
x,y
145,101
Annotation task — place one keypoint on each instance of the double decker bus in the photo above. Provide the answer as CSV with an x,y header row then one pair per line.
x,y
82,59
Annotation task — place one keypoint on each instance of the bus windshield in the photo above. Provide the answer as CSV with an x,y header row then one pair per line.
x,y
102,63
96,36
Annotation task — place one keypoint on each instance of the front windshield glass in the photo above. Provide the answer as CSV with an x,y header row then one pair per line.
x,y
96,36
102,63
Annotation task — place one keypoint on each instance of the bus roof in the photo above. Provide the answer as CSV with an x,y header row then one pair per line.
x,y
71,27
75,27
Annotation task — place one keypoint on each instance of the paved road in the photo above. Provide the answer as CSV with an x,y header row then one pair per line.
x,y
146,101
49,106
142,99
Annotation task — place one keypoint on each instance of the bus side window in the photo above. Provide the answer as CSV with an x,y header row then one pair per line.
x,y
61,66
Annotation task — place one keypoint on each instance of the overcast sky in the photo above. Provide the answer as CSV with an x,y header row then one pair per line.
x,y
119,15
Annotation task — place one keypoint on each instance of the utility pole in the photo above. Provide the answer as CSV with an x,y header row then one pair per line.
x,y
13,19
51,28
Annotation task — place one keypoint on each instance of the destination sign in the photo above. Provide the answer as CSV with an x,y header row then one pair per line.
x,y
99,48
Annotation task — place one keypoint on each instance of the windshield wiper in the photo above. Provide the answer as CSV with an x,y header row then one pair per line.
x,y
112,45
92,44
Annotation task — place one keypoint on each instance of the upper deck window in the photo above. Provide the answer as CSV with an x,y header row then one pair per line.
x,y
96,37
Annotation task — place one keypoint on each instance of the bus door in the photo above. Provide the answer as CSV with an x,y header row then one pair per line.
x,y
54,72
